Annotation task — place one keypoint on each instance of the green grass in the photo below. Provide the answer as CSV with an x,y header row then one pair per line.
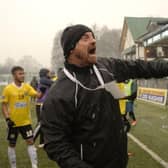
x,y
140,158
151,129
21,150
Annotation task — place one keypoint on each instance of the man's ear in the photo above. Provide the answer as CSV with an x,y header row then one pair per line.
x,y
71,52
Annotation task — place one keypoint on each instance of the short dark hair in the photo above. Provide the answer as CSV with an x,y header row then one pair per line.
x,y
16,68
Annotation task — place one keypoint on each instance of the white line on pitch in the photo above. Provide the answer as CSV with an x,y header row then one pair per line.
x,y
149,151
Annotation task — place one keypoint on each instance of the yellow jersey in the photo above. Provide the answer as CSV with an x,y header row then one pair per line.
x,y
18,100
122,103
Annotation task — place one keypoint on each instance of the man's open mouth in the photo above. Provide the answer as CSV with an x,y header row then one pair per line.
x,y
92,51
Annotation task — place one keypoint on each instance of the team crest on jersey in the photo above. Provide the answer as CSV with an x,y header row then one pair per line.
x,y
21,96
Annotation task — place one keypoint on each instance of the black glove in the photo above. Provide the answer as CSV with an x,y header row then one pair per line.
x,y
42,89
9,122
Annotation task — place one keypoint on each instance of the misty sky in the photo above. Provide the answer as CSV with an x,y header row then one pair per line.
x,y
28,27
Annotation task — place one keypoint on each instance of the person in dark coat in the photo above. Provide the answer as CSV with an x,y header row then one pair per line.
x,y
81,120
44,84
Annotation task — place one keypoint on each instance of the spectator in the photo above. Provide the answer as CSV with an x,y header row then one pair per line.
x,y
81,119
131,89
45,82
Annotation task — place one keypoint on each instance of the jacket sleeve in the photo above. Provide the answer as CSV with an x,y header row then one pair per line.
x,y
124,70
56,119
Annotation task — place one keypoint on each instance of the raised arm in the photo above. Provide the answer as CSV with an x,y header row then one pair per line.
x,y
124,70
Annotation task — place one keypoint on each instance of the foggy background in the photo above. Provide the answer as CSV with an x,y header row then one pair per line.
x,y
30,29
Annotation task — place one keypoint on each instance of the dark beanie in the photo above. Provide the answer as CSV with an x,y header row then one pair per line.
x,y
71,35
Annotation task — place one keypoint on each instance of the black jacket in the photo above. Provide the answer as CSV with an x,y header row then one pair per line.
x,y
83,129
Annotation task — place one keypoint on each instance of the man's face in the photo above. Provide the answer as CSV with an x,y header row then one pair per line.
x,y
19,76
85,49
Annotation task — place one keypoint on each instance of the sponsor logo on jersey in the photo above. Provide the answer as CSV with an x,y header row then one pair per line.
x,y
20,105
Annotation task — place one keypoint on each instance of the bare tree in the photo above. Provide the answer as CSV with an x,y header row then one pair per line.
x,y
29,64
57,58
6,67
108,43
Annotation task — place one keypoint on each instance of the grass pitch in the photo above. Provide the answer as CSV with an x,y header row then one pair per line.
x,y
151,129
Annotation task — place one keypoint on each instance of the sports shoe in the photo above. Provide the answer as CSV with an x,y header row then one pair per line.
x,y
134,123
41,145
34,166
130,154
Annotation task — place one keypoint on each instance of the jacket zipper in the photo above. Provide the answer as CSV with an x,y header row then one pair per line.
x,y
81,151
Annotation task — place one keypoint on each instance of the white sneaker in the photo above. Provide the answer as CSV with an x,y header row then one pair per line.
x,y
41,145
34,166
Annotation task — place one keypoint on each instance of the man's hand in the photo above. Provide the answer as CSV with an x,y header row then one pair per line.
x,y
9,122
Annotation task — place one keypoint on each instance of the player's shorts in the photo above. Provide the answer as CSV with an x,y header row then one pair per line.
x,y
13,132
129,106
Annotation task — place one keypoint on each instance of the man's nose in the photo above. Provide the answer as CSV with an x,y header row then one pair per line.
x,y
93,40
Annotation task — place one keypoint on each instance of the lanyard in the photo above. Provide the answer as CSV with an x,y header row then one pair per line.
x,y
110,87
99,77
